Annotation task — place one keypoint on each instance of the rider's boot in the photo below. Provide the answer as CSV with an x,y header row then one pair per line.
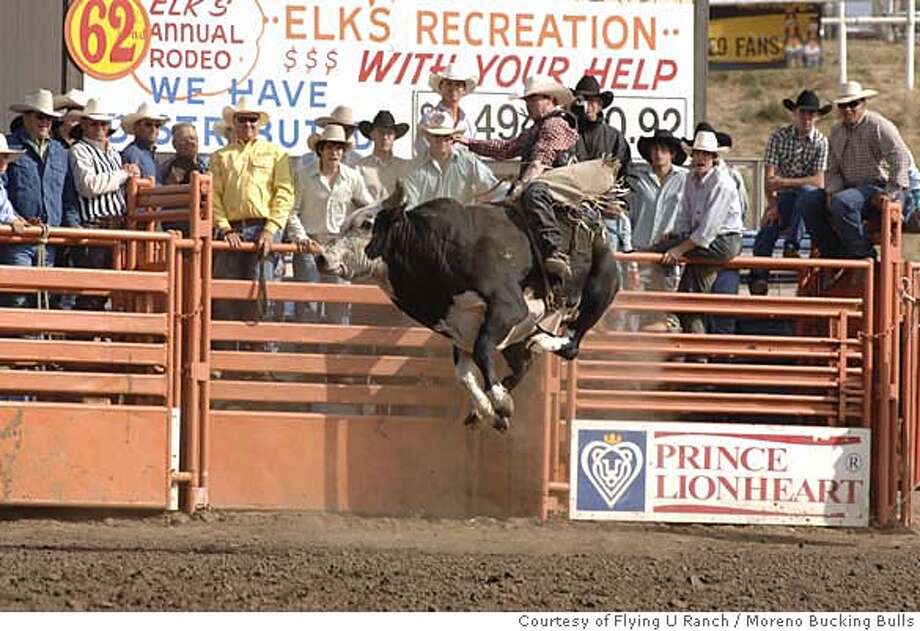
x,y
557,264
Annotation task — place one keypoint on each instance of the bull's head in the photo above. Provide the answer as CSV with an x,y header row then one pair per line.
x,y
391,209
344,256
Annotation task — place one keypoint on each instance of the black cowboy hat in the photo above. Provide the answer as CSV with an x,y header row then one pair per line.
x,y
383,119
588,86
807,100
662,137
723,139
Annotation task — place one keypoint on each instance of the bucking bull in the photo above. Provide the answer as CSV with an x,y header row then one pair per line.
x,y
469,273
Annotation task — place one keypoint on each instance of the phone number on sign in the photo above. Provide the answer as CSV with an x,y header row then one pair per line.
x,y
496,117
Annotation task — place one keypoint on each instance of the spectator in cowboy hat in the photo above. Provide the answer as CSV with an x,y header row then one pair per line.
x,y
657,188
40,183
867,157
253,194
344,117
8,215
452,84
725,142
145,126
597,139
71,104
99,177
794,164
326,192
709,224
382,169
546,144
444,172
179,169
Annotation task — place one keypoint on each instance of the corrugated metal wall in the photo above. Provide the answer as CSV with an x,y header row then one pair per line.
x,y
32,51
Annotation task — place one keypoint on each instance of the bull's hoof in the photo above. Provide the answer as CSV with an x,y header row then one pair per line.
x,y
502,424
568,352
472,420
502,402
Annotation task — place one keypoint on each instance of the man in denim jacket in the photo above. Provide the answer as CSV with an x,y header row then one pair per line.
x,y
39,184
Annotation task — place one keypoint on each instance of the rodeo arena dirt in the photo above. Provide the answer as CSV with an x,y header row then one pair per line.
x,y
594,314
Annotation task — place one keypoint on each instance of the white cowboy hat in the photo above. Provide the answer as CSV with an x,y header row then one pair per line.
x,y
10,155
73,99
706,141
41,101
440,123
330,133
143,113
96,112
547,86
853,91
341,116
244,107
454,72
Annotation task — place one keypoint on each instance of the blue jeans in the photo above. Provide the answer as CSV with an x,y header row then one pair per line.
x,y
305,271
792,206
24,256
838,233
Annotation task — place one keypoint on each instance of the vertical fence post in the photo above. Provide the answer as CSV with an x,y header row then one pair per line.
x,y
911,42
842,42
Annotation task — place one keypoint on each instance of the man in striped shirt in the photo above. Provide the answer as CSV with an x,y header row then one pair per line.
x,y
867,156
99,178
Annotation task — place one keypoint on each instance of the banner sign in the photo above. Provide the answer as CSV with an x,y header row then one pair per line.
x,y
719,473
750,36
298,60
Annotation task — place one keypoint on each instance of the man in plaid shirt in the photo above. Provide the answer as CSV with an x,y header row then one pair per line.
x,y
548,143
795,162
867,156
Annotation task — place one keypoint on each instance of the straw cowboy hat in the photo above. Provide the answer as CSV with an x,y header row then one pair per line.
x,y
330,133
724,140
341,116
143,113
7,154
541,85
440,123
588,86
95,111
41,101
706,141
662,137
454,72
808,101
73,99
243,106
384,120
853,91
224,126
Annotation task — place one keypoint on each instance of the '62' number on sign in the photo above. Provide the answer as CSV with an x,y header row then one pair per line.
x,y
107,38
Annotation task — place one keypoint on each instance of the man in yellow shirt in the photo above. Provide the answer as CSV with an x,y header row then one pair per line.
x,y
253,197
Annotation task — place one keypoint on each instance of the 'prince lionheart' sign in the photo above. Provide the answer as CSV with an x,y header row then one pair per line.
x,y
721,473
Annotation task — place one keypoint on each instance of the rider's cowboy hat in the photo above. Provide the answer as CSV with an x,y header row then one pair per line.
x,y
853,91
41,101
129,122
588,86
662,137
454,72
7,154
341,116
706,141
541,85
808,101
384,120
440,123
330,133
94,111
244,107
73,99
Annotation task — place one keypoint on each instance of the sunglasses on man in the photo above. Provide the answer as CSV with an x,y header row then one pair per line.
x,y
851,105
247,120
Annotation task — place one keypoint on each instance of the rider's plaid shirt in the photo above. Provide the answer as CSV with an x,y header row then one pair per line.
x,y
794,155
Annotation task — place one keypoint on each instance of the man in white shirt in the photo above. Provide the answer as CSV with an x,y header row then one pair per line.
x,y
445,170
453,84
325,193
382,169
708,225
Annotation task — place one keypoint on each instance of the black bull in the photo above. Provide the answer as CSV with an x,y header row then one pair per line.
x,y
469,273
